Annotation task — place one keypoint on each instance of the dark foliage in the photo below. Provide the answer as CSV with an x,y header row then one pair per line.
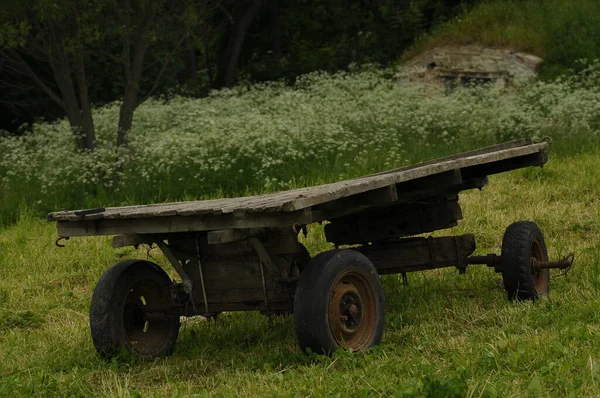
x,y
256,39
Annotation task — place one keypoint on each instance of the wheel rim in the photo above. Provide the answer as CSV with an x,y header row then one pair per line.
x,y
540,276
352,311
145,334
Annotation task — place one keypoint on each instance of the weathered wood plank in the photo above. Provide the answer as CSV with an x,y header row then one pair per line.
x,y
417,254
253,212
156,225
481,151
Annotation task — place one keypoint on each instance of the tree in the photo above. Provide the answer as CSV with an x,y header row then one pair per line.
x,y
50,45
142,26
45,45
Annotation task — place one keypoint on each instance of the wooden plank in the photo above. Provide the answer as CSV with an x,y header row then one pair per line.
x,y
503,165
157,225
294,200
481,151
351,187
376,197
235,277
445,179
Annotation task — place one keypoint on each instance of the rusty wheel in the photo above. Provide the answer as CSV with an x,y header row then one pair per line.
x,y
339,302
522,242
128,311
352,311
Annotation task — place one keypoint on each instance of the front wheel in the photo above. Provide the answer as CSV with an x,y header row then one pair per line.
x,y
523,241
126,309
339,302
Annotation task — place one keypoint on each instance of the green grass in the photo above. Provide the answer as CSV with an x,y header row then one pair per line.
x,y
446,334
560,31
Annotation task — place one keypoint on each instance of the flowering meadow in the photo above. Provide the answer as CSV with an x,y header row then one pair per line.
x,y
266,137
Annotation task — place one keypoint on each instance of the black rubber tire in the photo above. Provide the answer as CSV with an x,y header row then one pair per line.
x,y
110,303
522,241
315,291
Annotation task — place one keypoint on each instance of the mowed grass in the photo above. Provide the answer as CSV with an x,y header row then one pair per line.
x,y
446,334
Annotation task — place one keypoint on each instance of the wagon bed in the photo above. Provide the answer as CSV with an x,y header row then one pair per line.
x,y
312,204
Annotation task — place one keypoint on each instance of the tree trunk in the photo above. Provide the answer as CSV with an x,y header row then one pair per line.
x,y
130,97
71,105
126,116
242,20
190,60
86,107
208,56
80,120
275,29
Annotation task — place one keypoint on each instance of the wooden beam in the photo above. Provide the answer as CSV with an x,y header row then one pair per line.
x,y
393,222
233,235
186,281
500,166
160,225
418,254
441,190
132,240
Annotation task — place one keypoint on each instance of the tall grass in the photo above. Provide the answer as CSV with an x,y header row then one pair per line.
x,y
271,137
560,31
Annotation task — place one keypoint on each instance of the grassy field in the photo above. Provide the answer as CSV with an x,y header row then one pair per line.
x,y
446,334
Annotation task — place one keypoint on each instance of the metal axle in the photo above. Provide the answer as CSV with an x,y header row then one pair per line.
x,y
493,260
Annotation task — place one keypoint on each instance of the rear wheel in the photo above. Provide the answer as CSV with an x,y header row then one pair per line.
x,y
523,241
339,302
129,310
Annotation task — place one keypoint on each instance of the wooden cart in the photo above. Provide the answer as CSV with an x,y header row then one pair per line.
x,y
243,254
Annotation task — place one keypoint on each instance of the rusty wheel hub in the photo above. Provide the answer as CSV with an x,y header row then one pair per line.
x,y
352,311
350,308
539,275
143,333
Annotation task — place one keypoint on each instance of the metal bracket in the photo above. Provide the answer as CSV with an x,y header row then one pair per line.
x,y
264,258
263,254
460,264
58,244
201,274
186,281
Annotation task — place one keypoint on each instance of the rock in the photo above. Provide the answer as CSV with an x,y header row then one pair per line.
x,y
453,65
